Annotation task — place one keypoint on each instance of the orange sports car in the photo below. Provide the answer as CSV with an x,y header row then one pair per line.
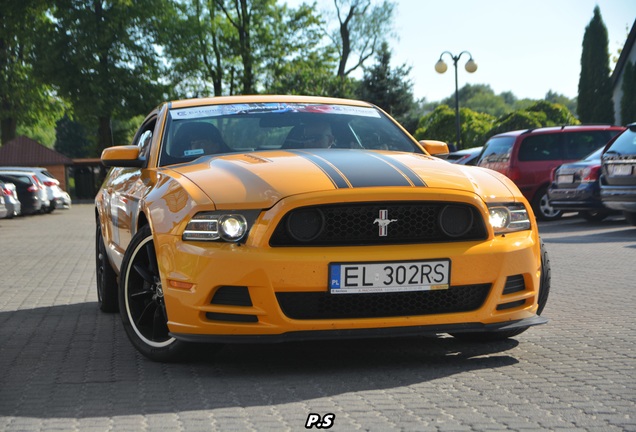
x,y
279,218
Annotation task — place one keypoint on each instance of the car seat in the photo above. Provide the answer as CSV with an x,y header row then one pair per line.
x,y
196,139
295,138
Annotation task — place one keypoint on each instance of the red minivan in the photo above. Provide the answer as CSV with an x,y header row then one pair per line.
x,y
528,157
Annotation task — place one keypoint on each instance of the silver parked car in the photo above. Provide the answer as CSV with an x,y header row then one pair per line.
x,y
3,207
30,190
50,192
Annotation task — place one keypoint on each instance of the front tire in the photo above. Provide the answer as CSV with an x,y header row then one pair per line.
x,y
544,291
105,275
141,302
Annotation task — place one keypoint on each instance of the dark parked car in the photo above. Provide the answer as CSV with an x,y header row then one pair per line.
x,y
528,157
468,156
576,187
28,193
618,180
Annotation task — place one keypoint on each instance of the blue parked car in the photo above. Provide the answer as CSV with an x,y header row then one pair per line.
x,y
575,187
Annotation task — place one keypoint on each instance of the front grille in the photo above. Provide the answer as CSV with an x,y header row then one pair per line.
x,y
322,305
354,224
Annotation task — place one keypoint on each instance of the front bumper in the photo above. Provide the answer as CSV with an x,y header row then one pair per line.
x,y
193,272
431,330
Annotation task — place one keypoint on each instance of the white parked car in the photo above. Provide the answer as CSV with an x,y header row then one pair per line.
x,y
54,194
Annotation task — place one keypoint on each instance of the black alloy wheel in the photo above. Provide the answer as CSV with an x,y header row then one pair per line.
x,y
141,302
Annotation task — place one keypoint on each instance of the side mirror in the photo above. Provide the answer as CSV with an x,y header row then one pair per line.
x,y
122,156
435,148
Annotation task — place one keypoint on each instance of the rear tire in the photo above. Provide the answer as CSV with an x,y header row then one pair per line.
x,y
544,291
105,275
141,304
630,217
594,215
542,208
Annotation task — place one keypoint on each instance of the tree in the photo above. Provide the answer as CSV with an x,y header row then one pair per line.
x,y
24,100
198,44
72,139
242,15
362,27
540,114
440,125
595,88
628,101
557,98
244,47
482,98
389,89
101,57
298,61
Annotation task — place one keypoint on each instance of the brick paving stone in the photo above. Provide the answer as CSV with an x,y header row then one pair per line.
x,y
65,366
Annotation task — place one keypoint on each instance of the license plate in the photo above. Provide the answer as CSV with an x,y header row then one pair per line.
x,y
565,178
622,170
354,278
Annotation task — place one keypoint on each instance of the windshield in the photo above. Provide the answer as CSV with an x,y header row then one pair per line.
x,y
217,129
497,149
595,155
624,145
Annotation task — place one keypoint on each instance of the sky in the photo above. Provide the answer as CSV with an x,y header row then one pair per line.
x,y
526,47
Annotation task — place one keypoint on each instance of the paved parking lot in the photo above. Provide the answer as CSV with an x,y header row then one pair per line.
x,y
65,366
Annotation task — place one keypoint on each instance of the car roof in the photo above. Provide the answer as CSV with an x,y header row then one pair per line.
x,y
14,171
17,168
265,98
11,175
552,129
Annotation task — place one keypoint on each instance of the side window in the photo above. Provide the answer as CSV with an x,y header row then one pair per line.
x,y
542,147
144,139
144,142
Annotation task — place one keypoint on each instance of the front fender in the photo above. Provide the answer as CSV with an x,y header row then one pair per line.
x,y
172,202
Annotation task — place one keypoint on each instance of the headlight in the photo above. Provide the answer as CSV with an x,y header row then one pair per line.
x,y
506,218
224,226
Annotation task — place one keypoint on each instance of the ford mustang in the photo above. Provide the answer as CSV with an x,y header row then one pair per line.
x,y
280,218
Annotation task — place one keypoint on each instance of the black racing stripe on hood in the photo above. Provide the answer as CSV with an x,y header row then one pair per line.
x,y
357,168
336,178
406,170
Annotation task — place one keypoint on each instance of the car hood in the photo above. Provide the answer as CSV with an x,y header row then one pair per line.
x,y
260,179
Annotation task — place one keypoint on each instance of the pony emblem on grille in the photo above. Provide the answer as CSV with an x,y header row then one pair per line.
x,y
383,223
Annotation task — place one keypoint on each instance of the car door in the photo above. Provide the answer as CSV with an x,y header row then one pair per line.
x,y
538,155
125,188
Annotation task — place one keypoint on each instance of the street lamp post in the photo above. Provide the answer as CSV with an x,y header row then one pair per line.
x,y
470,67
